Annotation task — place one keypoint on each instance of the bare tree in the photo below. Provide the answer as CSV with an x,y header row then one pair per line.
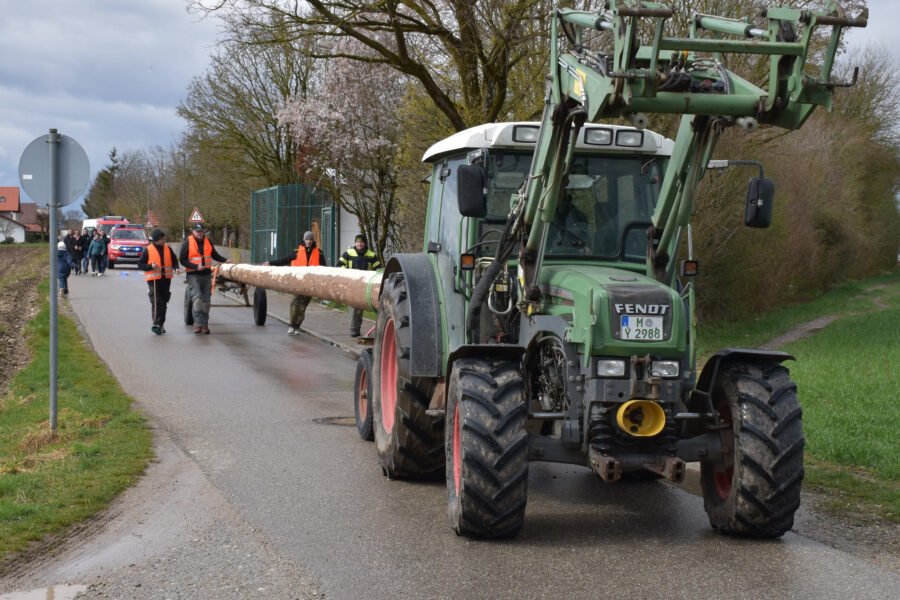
x,y
461,53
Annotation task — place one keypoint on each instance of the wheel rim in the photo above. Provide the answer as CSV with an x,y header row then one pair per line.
x,y
363,395
457,459
388,376
723,477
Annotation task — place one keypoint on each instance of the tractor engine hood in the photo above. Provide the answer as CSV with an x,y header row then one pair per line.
x,y
615,312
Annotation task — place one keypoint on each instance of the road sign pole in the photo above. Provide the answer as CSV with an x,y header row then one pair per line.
x,y
53,142
54,169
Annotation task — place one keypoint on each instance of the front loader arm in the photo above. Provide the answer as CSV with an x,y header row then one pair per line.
x,y
666,76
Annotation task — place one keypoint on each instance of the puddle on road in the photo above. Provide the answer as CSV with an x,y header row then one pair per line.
x,y
53,592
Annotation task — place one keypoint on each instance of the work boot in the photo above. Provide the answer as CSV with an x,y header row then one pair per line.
x,y
156,329
206,330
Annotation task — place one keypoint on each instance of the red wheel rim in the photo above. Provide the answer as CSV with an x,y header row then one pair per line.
x,y
363,394
722,478
457,459
388,376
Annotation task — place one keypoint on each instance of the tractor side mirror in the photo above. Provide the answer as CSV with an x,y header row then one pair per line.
x,y
471,194
760,197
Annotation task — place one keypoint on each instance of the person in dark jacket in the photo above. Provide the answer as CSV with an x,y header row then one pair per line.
x,y
74,248
197,255
358,256
84,241
64,266
159,264
306,255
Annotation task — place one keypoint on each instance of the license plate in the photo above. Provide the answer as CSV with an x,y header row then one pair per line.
x,y
641,328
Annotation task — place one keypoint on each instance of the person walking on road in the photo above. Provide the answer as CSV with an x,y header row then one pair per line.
x,y
96,251
159,264
197,256
358,256
85,242
307,255
73,246
64,266
104,263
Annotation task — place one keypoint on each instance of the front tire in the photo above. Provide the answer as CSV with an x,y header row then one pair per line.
x,y
753,489
362,396
487,448
409,441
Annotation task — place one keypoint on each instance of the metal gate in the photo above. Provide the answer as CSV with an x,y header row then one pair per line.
x,y
279,216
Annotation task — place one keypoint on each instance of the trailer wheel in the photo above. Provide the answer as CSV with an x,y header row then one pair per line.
x,y
753,489
487,462
409,441
362,395
188,307
260,306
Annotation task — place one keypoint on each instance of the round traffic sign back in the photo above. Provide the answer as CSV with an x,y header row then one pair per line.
x,y
72,170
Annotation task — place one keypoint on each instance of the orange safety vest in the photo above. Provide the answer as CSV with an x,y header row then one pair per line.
x,y
194,256
167,269
314,259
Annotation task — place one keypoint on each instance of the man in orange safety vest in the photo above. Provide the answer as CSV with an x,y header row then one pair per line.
x,y
307,255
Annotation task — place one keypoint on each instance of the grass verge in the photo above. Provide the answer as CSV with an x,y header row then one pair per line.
x,y
48,482
847,376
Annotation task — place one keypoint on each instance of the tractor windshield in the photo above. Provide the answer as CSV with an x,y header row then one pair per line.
x,y
605,210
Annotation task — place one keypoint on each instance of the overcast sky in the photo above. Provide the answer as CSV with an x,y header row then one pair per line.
x,y
104,72
111,72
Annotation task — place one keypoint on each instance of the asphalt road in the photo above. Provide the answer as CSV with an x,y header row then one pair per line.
x,y
252,409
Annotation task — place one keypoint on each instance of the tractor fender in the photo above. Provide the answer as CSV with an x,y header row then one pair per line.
x,y
424,321
721,359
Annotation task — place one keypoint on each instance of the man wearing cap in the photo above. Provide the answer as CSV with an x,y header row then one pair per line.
x,y
358,256
159,264
197,256
307,255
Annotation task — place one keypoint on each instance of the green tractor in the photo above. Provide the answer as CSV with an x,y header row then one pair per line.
x,y
548,317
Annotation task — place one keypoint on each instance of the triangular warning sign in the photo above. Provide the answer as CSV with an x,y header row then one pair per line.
x,y
196,217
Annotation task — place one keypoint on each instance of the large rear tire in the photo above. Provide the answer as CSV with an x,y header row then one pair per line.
x,y
362,396
753,490
487,448
409,441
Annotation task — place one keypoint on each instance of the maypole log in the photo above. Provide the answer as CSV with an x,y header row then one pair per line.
x,y
355,288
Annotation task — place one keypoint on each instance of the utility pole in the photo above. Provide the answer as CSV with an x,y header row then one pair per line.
x,y
183,222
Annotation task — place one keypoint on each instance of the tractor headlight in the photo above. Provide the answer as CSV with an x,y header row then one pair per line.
x,y
598,137
667,369
632,139
608,367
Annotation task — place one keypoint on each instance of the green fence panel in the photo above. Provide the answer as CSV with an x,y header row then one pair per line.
x,y
281,214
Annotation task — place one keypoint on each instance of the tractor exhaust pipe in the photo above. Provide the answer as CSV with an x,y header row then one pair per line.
x,y
641,418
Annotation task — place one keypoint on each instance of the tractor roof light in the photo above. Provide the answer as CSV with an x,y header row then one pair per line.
x,y
629,138
526,133
598,137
